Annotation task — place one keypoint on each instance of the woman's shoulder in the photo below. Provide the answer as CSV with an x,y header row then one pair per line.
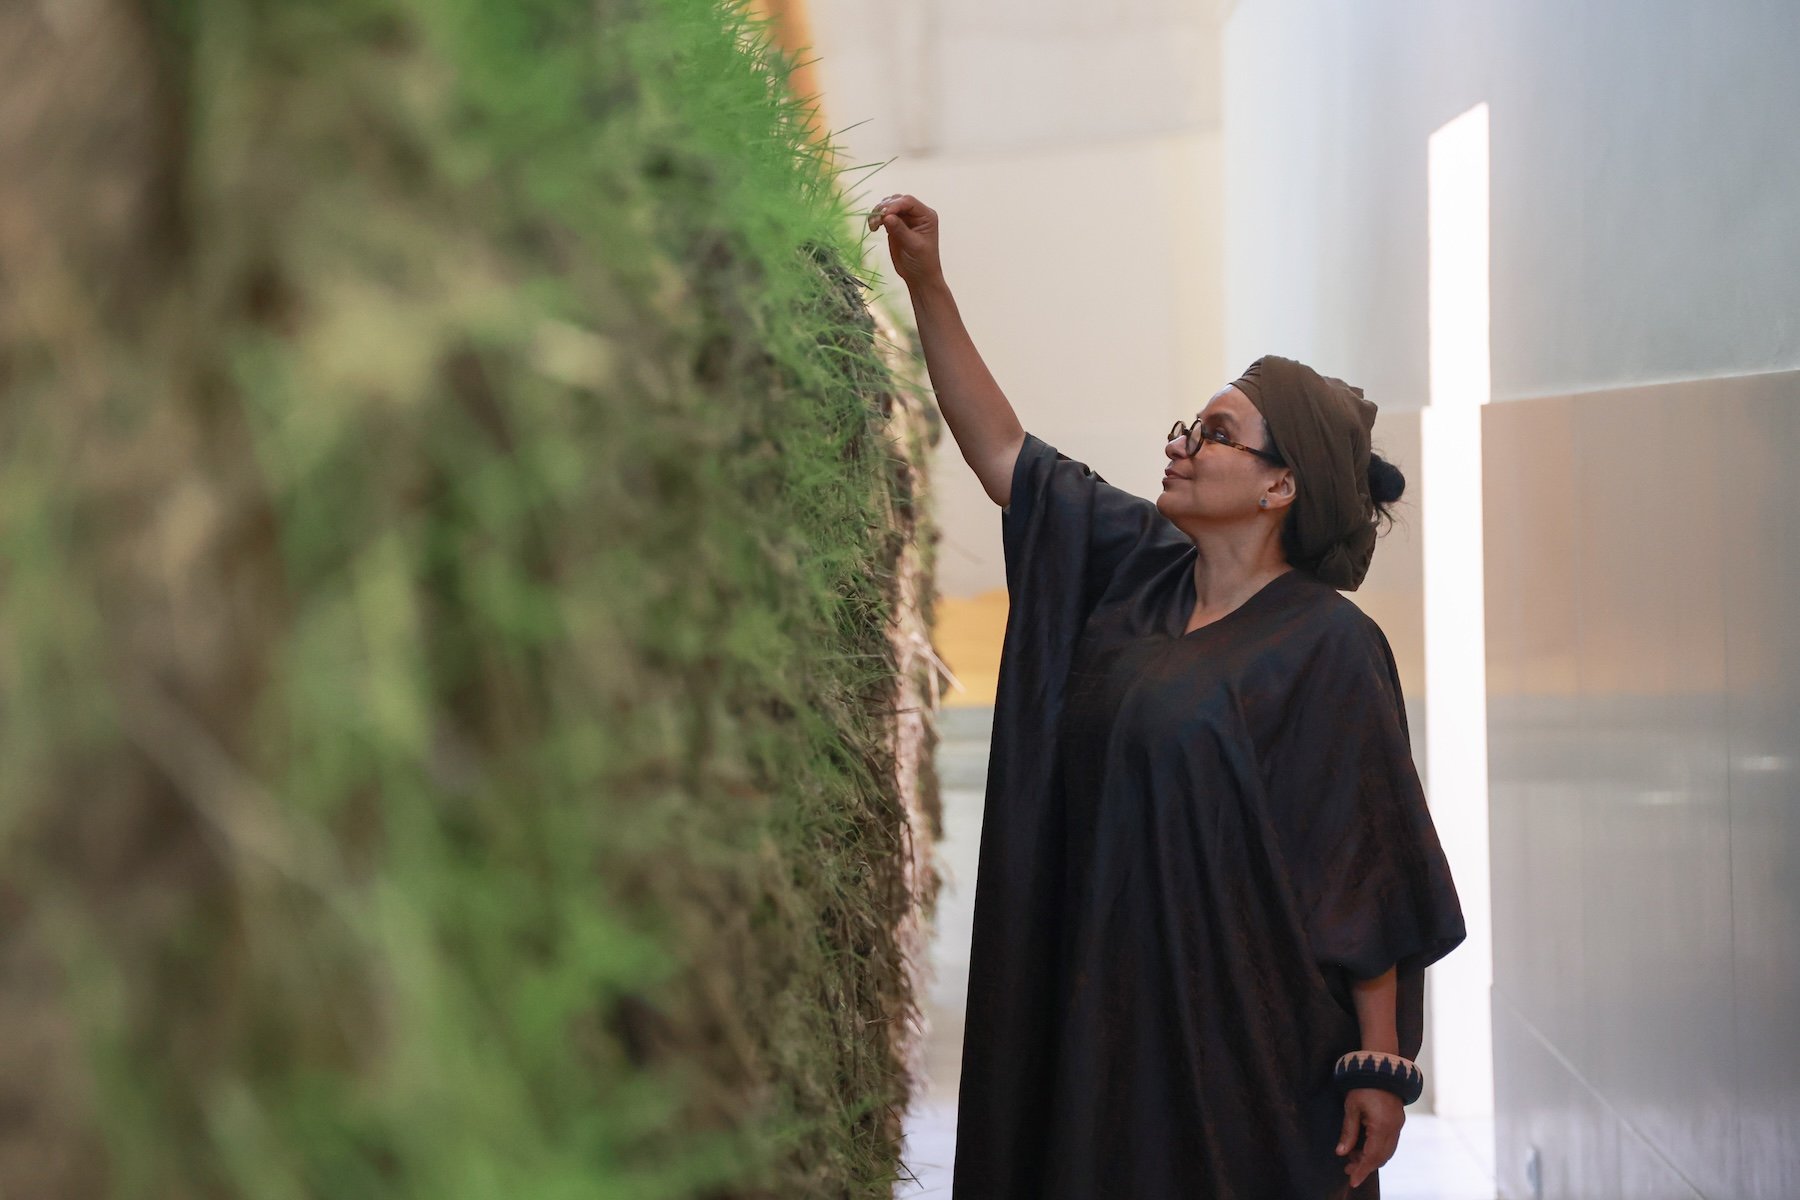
x,y
1069,496
1342,623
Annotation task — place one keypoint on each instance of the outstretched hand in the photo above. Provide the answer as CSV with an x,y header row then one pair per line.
x,y
1375,1116
912,231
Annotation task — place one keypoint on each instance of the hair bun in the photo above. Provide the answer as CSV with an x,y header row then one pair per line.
x,y
1386,483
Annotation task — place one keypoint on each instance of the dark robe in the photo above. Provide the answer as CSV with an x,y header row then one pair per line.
x,y
1192,842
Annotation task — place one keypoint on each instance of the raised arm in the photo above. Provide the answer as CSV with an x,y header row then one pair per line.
x,y
986,429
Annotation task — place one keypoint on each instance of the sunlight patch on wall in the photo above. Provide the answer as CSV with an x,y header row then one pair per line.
x,y
1455,622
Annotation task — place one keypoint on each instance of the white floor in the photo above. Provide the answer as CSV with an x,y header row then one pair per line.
x,y
1438,1159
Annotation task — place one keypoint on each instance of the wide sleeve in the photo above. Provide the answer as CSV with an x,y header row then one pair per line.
x,y
1068,535
1066,530
1372,881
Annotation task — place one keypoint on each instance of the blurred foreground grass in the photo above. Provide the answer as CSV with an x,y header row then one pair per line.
x,y
449,535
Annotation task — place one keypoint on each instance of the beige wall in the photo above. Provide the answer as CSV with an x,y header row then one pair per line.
x,y
1089,279
1072,152
956,77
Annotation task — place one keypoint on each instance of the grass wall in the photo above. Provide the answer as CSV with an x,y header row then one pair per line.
x,y
455,513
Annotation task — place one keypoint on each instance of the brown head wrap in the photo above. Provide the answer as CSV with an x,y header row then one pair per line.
x,y
1321,427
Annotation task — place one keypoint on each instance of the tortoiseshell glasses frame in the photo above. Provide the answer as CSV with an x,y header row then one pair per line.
x,y
1192,435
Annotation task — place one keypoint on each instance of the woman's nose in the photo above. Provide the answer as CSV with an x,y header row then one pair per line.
x,y
1175,447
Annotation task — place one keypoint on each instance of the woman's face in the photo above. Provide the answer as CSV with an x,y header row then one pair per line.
x,y
1219,482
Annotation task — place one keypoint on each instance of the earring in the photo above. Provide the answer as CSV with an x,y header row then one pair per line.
x,y
1263,503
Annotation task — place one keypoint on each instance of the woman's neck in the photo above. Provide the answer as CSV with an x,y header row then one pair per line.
x,y
1226,575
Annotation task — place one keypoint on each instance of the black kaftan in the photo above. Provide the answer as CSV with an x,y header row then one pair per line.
x,y
1192,842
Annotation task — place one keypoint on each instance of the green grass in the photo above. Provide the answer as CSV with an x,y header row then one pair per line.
x,y
443,636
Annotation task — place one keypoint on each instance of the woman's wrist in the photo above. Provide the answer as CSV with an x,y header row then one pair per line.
x,y
1379,1069
929,290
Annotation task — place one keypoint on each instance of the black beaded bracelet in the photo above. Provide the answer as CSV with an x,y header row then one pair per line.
x,y
1379,1069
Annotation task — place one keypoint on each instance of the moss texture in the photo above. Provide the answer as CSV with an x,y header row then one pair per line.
x,y
452,505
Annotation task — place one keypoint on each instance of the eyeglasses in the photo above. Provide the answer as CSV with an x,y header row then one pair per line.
x,y
1193,435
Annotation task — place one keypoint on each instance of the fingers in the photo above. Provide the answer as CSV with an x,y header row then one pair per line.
x,y
879,214
1370,1116
897,206
1378,1146
1363,1163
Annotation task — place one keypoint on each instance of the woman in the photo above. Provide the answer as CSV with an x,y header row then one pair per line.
x,y
1209,884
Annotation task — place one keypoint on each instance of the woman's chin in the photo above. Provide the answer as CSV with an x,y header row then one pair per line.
x,y
1176,505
